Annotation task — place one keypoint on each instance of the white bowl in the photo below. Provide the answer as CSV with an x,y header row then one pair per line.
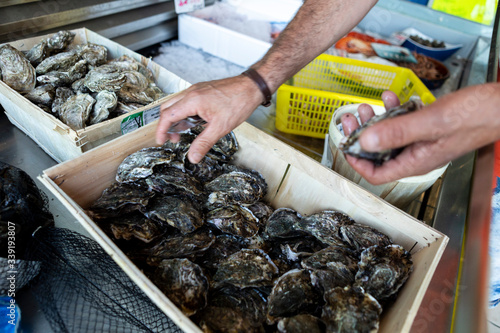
x,y
400,192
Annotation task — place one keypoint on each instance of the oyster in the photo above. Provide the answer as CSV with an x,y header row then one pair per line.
x,y
76,110
104,77
132,94
324,226
133,226
350,309
93,54
235,220
383,270
42,94
262,211
301,323
206,170
60,40
224,148
236,185
223,247
141,163
172,180
287,253
118,199
350,144
184,246
105,103
38,52
127,63
62,95
283,223
62,62
64,78
178,211
292,294
183,282
246,268
234,310
15,70
79,86
122,108
360,236
135,80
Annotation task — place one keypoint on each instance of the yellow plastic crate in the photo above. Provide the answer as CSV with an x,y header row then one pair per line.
x,y
305,104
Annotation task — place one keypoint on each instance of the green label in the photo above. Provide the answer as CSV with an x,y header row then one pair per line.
x,y
131,123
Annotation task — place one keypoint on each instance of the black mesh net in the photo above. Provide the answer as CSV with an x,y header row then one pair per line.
x,y
81,289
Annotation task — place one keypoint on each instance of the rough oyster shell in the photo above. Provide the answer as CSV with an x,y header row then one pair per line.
x,y
132,226
350,144
183,282
128,63
76,110
184,246
118,199
293,293
60,40
64,78
383,270
93,54
42,94
232,309
62,95
360,236
172,180
301,323
15,70
38,53
62,62
325,225
79,86
141,163
237,185
178,211
246,268
223,247
235,220
350,309
105,103
104,77
284,223
134,95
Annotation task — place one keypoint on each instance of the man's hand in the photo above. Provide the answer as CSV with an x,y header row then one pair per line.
x,y
443,131
223,104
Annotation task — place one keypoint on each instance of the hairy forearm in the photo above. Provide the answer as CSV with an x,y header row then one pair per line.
x,y
317,25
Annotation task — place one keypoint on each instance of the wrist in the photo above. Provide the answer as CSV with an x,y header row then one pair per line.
x,y
261,84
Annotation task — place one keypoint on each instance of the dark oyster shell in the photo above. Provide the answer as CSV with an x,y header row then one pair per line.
x,y
232,309
172,180
360,236
118,199
288,253
183,246
325,225
350,145
284,223
105,103
301,323
76,110
178,211
383,270
246,268
183,282
141,163
350,309
223,247
204,171
235,220
262,211
292,294
132,226
42,94
237,185
15,70
62,62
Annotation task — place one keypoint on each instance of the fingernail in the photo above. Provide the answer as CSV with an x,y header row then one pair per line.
x,y
195,158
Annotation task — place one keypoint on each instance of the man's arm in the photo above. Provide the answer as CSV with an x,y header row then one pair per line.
x,y
225,104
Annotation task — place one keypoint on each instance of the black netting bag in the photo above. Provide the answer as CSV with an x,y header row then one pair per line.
x,y
81,289
23,208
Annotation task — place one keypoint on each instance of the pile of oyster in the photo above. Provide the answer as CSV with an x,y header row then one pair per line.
x,y
205,236
77,83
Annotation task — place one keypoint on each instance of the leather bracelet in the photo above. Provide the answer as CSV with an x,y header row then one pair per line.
x,y
252,74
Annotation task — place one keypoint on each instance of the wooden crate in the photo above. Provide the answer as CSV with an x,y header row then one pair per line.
x,y
59,140
294,180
